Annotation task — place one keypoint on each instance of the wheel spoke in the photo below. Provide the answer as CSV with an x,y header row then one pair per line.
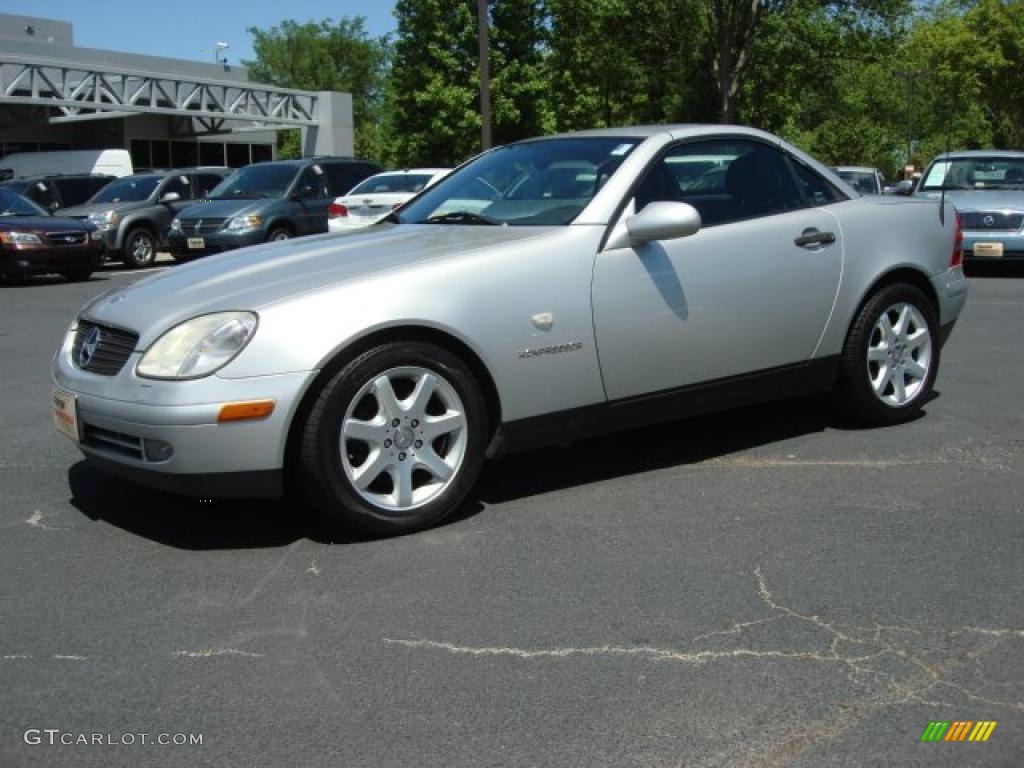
x,y
401,477
434,464
416,403
917,339
888,334
903,320
915,369
436,426
878,354
882,382
370,469
385,395
900,386
372,432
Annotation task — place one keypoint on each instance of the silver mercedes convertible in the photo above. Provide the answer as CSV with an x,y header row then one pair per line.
x,y
545,291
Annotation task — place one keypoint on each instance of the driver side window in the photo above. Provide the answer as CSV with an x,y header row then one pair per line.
x,y
725,180
310,178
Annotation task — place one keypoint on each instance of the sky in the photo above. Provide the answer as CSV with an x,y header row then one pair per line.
x,y
189,29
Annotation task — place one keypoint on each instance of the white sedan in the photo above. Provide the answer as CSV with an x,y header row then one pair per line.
x,y
374,198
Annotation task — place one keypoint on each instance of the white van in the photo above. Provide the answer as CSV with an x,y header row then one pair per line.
x,y
112,162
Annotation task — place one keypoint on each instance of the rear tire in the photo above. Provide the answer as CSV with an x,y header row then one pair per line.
x,y
395,440
139,248
891,357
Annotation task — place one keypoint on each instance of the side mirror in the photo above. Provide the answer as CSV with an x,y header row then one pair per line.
x,y
170,197
905,187
663,221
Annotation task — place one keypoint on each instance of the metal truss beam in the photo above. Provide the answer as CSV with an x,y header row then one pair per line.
x,y
83,92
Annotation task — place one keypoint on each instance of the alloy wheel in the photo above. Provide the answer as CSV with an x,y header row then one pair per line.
x,y
899,354
403,438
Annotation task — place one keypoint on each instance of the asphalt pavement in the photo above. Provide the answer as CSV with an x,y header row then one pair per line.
x,y
769,587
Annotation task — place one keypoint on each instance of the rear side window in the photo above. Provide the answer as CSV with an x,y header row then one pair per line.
x,y
313,177
341,177
815,188
77,191
205,182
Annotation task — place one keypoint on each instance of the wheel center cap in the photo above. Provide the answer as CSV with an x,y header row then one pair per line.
x,y
404,437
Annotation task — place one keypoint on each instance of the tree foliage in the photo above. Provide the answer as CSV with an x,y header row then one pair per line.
x,y
841,78
326,56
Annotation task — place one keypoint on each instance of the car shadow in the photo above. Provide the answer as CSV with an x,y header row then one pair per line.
x,y
994,268
37,280
677,443
212,524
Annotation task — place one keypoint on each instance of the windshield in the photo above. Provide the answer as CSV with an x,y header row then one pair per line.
x,y
13,204
131,189
544,182
385,183
264,180
862,181
975,173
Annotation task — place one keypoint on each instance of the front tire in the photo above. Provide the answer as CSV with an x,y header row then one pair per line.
x,y
891,356
278,234
395,440
139,248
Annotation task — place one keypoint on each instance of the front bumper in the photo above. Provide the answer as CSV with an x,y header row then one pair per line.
x,y
120,416
39,261
214,242
1012,243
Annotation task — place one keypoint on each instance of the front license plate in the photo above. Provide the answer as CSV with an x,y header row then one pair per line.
x,y
65,413
196,242
988,250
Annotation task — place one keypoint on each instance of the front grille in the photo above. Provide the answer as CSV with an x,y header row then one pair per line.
x,y
991,220
67,238
200,226
107,351
115,442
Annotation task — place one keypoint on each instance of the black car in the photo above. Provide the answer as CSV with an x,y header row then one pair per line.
x,y
268,201
33,242
54,192
134,212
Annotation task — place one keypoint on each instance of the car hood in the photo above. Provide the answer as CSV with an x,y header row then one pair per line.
x,y
224,209
43,224
982,199
255,277
81,211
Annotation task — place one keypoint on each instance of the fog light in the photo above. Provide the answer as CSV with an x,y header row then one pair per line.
x,y
157,450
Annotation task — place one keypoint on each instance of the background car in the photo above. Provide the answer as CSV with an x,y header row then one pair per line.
x,y
987,188
508,306
265,202
134,212
863,178
57,192
375,197
32,242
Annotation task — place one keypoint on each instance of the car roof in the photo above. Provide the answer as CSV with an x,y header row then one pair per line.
x,y
406,171
964,154
856,168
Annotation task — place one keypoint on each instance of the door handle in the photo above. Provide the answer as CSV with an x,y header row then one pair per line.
x,y
811,238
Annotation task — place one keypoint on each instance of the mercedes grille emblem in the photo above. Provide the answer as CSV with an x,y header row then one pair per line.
x,y
92,340
989,220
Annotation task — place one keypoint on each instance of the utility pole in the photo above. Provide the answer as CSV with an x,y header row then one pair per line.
x,y
910,75
485,75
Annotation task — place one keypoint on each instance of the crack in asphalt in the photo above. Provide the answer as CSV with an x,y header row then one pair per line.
x,y
857,649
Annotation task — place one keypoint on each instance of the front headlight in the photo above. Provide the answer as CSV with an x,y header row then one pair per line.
x,y
245,222
176,225
198,347
105,219
19,238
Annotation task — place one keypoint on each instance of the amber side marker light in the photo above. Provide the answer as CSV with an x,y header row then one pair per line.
x,y
251,409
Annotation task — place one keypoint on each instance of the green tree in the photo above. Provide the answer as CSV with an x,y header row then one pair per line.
x,y
326,56
520,81
433,90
